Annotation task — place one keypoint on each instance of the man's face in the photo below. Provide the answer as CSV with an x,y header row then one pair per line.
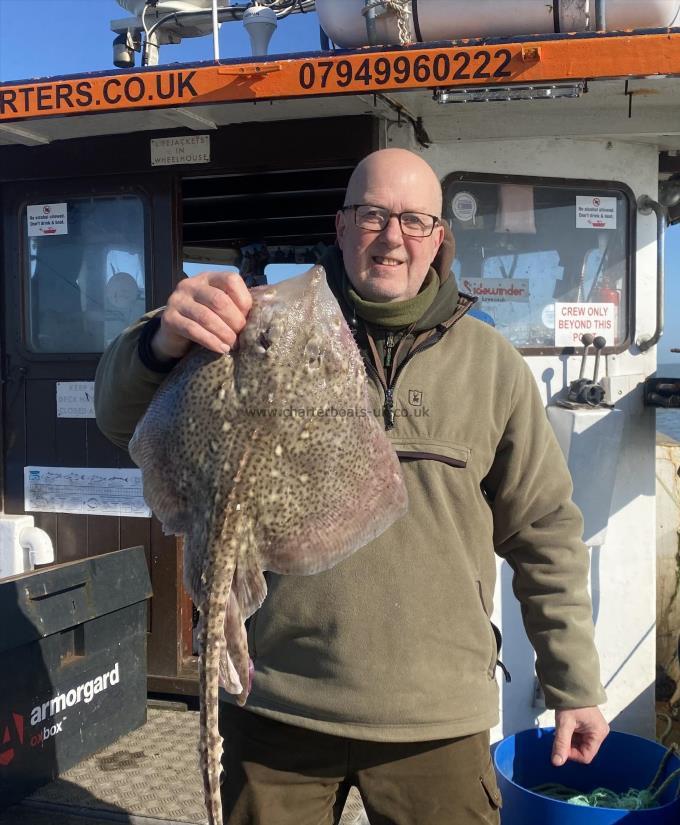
x,y
388,265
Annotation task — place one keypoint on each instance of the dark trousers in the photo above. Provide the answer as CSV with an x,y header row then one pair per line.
x,y
277,774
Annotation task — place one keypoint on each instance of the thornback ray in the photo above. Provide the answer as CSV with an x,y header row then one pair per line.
x,y
269,458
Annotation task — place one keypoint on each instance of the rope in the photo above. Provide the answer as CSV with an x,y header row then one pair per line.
x,y
631,800
402,8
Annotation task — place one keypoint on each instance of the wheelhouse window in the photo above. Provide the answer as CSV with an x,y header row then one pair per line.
x,y
85,272
547,261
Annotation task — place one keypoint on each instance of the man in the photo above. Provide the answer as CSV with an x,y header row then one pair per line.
x,y
381,671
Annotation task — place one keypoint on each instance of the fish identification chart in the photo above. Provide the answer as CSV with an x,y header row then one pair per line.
x,y
85,491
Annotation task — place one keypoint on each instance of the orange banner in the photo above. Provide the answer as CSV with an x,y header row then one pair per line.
x,y
362,71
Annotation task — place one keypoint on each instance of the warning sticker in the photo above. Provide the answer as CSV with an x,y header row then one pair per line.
x,y
47,219
75,399
574,320
595,212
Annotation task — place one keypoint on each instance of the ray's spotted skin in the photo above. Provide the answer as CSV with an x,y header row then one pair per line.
x,y
269,458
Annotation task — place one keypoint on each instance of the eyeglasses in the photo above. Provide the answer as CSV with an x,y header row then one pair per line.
x,y
376,218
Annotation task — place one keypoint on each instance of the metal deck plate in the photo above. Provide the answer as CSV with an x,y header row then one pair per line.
x,y
149,777
151,774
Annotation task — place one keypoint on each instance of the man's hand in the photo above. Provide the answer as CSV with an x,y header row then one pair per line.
x,y
209,309
579,732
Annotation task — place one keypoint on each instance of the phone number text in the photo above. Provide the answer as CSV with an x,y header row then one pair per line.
x,y
443,67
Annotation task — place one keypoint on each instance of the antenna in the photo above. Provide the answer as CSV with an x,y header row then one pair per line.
x,y
156,23
260,23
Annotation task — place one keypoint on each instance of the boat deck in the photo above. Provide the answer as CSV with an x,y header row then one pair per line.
x,y
148,777
151,777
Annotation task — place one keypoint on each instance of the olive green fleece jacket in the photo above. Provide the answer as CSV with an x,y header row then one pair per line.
x,y
395,643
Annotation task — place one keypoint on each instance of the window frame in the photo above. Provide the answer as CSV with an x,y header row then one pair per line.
x,y
586,184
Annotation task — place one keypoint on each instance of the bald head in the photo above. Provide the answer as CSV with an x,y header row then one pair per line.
x,y
388,265
384,167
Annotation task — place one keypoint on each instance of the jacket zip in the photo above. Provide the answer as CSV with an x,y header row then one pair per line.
x,y
388,412
389,345
389,385
388,388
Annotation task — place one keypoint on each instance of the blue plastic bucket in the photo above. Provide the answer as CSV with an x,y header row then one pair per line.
x,y
625,761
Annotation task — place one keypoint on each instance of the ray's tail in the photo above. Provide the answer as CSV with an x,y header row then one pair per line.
x,y
218,576
211,645
224,547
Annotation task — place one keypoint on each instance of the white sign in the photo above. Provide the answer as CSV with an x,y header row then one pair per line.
x,y
464,206
47,219
75,399
497,290
574,320
85,491
595,212
174,151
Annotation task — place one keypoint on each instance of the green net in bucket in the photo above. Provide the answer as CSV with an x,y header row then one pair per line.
x,y
630,800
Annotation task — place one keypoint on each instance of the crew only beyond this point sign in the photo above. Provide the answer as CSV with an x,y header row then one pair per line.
x,y
574,320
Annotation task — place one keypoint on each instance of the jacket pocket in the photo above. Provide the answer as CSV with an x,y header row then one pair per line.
x,y
491,633
415,449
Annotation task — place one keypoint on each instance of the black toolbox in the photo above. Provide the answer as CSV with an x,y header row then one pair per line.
x,y
72,665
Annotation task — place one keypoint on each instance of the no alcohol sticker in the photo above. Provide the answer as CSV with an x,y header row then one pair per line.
x,y
595,212
47,219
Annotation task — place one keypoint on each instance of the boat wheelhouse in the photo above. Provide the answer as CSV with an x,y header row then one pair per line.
x,y
555,134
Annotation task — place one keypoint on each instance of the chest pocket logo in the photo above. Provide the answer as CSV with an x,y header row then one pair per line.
x,y
415,398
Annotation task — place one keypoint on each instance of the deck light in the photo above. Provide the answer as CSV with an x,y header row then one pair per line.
x,y
485,94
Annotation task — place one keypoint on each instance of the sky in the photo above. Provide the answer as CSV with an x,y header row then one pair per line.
x,y
60,37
